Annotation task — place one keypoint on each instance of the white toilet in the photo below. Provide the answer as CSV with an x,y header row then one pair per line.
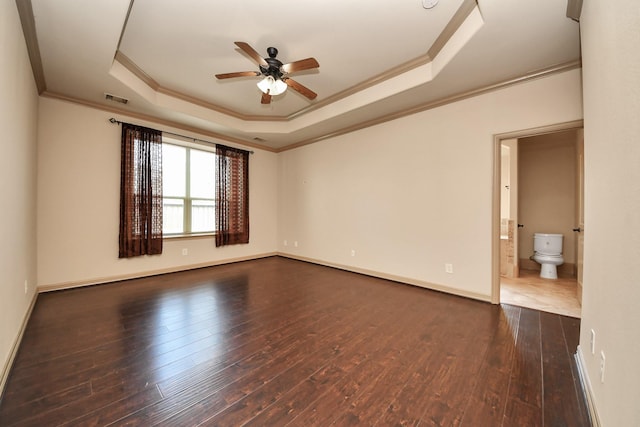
x,y
547,251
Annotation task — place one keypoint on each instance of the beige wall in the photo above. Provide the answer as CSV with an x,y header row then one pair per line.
x,y
78,203
408,196
414,194
547,190
18,117
610,33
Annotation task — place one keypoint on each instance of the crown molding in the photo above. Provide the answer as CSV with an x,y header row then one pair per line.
x,y
358,126
440,102
159,121
463,12
134,69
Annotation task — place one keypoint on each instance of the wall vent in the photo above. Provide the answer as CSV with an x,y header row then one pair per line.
x,y
115,98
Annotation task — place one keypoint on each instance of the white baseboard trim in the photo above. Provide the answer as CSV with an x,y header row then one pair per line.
x,y
6,369
138,275
392,277
381,275
586,386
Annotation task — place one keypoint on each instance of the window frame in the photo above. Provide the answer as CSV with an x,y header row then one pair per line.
x,y
187,199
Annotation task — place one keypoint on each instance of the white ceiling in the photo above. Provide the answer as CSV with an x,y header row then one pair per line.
x,y
164,56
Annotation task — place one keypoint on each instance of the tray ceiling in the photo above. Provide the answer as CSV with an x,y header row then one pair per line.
x,y
378,59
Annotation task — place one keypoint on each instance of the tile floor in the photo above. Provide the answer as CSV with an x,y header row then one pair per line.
x,y
553,296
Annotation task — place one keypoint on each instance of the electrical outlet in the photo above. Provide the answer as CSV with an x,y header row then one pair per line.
x,y
602,360
295,243
285,243
448,268
593,342
185,251
353,252
26,286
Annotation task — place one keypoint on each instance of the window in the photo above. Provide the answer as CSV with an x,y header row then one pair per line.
x,y
188,186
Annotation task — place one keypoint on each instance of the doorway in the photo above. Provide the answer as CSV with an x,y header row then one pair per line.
x,y
537,188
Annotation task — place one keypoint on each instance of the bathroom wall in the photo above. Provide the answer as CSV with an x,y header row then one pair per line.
x,y
547,193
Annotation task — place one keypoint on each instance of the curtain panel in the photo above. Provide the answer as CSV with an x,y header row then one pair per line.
x,y
140,192
232,196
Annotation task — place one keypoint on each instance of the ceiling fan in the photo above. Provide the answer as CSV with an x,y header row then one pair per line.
x,y
276,74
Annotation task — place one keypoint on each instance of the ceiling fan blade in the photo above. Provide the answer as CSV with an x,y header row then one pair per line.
x,y
300,88
266,99
252,53
303,64
238,74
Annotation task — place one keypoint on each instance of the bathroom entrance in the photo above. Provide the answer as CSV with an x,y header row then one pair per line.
x,y
538,182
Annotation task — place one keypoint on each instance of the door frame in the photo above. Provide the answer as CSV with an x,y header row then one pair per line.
x,y
495,203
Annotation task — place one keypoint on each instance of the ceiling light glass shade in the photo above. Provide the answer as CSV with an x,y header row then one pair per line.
x,y
272,86
278,87
265,84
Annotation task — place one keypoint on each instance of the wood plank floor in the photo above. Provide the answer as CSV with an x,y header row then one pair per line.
x,y
276,342
559,296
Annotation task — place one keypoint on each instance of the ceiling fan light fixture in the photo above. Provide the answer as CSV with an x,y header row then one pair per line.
x,y
275,80
278,87
429,4
272,86
265,84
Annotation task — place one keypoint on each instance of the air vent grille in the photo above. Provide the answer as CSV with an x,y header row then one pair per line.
x,y
115,98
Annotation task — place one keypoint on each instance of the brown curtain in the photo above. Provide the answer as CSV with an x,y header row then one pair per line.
x,y
140,191
232,196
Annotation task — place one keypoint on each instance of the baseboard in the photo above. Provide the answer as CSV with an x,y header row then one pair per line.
x,y
392,277
149,273
6,369
372,273
586,386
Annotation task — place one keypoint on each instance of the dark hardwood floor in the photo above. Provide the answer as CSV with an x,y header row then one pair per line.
x,y
276,342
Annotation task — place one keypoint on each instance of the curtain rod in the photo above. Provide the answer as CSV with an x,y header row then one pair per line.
x,y
112,120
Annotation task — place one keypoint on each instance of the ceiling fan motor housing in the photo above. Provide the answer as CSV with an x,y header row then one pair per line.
x,y
274,64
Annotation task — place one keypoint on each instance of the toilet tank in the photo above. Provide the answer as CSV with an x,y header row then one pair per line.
x,y
549,244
